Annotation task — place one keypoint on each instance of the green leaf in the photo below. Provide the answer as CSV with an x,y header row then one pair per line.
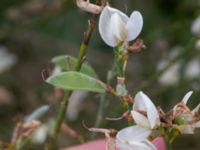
x,y
72,80
68,63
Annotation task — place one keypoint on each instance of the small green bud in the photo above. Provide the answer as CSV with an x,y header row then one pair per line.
x,y
180,120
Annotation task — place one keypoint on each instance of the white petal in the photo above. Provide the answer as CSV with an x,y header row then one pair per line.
x,y
192,69
118,27
132,138
134,25
142,146
196,26
106,27
123,16
133,146
186,97
143,103
186,129
196,109
40,134
150,144
133,133
140,119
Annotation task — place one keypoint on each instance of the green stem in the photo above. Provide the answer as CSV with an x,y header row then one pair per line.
x,y
61,115
81,57
100,112
63,107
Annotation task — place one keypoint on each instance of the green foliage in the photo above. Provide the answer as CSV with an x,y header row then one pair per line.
x,y
72,80
68,63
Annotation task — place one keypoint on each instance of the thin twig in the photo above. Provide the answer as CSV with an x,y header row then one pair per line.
x,y
81,58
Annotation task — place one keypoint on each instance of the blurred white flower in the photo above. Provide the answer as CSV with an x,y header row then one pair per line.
x,y
6,59
187,119
75,104
192,69
144,112
197,45
116,27
40,134
195,28
56,70
174,52
134,138
171,76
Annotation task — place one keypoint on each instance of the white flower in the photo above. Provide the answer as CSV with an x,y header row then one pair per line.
x,y
190,123
144,112
134,138
116,27
56,70
196,26
147,118
6,59
197,45
171,76
40,135
75,104
193,69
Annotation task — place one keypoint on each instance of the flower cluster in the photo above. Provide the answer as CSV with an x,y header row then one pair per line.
x,y
149,119
116,29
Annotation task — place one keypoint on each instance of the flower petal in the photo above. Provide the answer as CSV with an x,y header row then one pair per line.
x,y
196,109
133,133
143,103
133,146
144,145
131,137
134,25
186,129
150,145
106,27
186,97
118,27
140,119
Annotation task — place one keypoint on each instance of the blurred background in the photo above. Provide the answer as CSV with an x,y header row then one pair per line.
x,y
32,32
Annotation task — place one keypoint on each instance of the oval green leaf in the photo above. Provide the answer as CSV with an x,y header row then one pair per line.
x,y
68,63
72,80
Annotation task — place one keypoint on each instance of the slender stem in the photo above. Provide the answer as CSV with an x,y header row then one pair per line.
x,y
81,58
100,111
118,69
61,115
103,97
